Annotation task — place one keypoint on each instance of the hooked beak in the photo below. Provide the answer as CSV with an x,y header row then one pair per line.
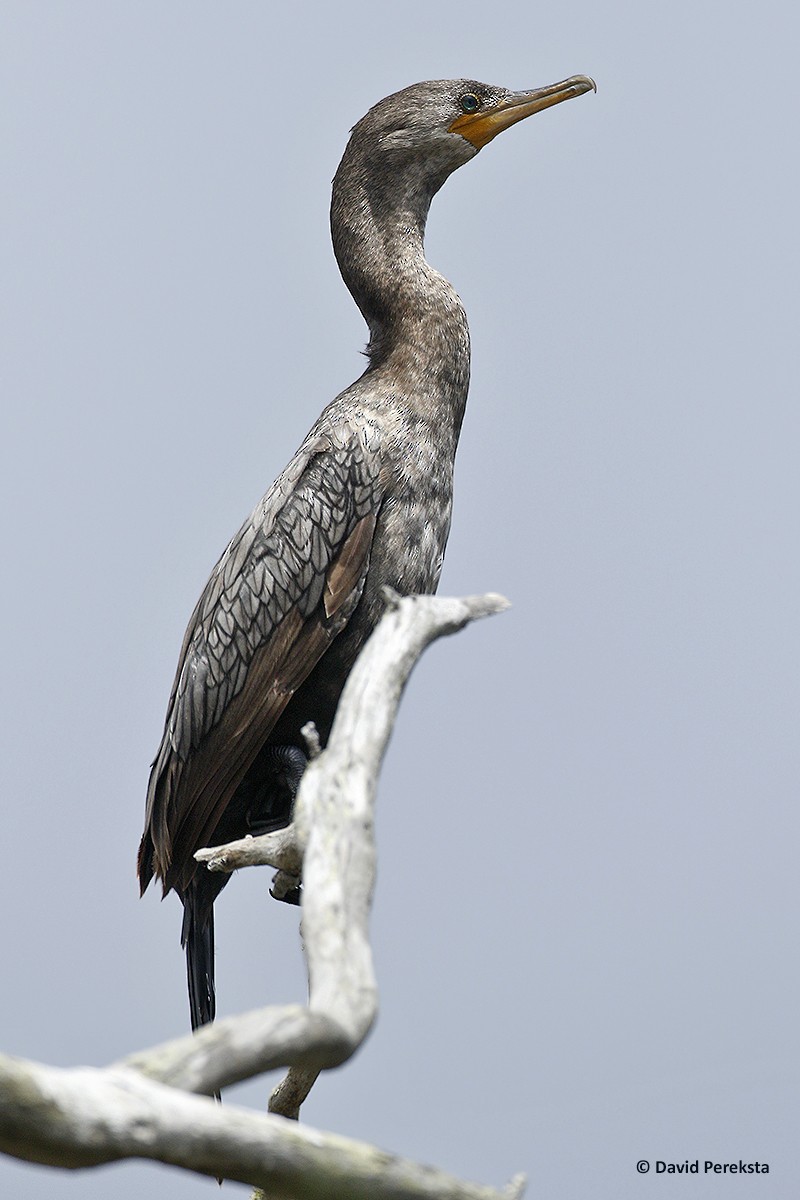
x,y
480,127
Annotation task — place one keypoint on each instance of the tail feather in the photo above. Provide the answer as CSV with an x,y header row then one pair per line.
x,y
197,937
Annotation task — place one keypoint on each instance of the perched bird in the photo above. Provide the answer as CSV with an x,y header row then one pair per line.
x,y
365,502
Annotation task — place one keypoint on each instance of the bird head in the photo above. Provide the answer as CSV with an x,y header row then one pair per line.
x,y
444,122
398,157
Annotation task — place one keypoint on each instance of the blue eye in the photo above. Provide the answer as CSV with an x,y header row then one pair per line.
x,y
470,103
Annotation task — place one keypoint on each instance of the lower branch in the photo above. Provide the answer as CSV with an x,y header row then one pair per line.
x,y
86,1116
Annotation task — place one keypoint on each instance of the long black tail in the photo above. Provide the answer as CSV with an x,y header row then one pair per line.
x,y
264,802
197,937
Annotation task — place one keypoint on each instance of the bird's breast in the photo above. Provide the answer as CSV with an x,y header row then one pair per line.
x,y
412,529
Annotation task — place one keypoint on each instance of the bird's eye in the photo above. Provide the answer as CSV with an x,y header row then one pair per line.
x,y
470,103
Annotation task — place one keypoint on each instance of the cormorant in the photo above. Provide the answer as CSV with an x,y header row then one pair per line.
x,y
365,502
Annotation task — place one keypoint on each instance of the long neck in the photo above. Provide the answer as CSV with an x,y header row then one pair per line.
x,y
418,328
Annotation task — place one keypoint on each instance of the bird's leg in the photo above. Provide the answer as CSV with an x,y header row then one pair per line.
x,y
271,800
286,765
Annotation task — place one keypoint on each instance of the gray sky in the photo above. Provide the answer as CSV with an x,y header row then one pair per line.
x,y
587,909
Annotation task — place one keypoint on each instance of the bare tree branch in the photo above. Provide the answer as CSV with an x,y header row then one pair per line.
x,y
279,849
334,816
292,1091
83,1117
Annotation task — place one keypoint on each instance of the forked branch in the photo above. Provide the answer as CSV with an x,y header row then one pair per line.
x,y
83,1117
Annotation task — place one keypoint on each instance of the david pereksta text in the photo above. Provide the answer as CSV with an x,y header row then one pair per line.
x,y
711,1168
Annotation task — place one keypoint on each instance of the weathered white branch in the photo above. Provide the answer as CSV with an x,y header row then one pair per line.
x,y
280,849
81,1117
85,1116
334,822
292,1090
334,816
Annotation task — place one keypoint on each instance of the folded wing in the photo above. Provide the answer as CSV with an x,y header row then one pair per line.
x,y
285,587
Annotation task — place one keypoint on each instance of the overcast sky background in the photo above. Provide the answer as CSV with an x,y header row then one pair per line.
x,y
587,909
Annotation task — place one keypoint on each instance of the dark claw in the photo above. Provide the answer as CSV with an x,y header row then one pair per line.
x,y
293,896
